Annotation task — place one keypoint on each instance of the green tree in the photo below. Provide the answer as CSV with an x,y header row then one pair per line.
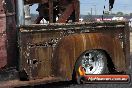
x,y
106,12
113,14
126,14
130,14
119,13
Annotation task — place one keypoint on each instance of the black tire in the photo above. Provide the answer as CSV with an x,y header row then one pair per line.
x,y
81,80
91,64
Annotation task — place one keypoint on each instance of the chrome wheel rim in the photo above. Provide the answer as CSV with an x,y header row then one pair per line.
x,y
93,62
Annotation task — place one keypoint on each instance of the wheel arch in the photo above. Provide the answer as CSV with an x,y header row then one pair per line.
x,y
69,49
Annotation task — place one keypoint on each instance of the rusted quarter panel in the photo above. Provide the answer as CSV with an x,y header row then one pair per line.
x,y
52,50
71,47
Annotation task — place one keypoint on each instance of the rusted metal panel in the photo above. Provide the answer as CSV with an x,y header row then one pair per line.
x,y
52,49
36,53
65,15
71,12
65,10
51,11
8,36
12,50
2,7
3,50
77,10
78,44
12,46
126,45
3,53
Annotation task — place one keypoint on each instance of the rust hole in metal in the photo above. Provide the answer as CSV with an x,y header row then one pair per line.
x,y
35,61
1,10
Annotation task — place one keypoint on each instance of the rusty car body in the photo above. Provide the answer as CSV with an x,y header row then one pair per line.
x,y
56,49
49,52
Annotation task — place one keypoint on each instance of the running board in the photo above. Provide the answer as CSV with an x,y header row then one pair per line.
x,y
18,83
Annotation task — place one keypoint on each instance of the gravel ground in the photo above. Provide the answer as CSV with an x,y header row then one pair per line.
x,y
70,85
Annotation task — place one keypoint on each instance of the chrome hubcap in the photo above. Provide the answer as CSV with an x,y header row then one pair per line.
x,y
93,62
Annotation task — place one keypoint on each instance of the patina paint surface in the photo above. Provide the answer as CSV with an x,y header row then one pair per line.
x,y
71,47
52,50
